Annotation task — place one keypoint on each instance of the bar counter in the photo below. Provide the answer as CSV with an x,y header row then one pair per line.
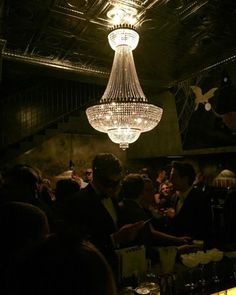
x,y
211,278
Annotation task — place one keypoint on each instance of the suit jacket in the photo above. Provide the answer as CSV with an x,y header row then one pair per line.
x,y
194,218
87,215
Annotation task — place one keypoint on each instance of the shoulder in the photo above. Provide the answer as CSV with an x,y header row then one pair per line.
x,y
85,195
197,198
195,192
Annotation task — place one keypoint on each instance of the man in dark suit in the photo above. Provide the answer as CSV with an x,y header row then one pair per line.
x,y
94,210
192,214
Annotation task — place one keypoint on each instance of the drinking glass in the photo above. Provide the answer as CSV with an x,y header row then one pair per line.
x,y
152,287
167,258
204,259
191,262
216,256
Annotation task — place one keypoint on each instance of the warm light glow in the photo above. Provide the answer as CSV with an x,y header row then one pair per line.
x,y
123,84
123,112
123,136
124,122
231,291
122,15
120,37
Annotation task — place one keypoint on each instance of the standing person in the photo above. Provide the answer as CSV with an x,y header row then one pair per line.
x,y
192,214
22,183
22,225
95,212
161,176
135,188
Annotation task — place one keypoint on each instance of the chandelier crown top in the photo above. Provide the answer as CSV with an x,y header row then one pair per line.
x,y
123,26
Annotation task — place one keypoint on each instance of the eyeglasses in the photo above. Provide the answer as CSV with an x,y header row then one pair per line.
x,y
88,172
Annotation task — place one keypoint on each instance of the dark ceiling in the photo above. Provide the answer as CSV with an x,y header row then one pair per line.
x,y
182,43
68,39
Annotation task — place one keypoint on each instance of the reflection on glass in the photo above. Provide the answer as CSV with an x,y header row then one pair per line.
x,y
190,261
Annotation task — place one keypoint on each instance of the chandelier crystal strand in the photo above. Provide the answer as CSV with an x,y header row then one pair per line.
x,y
123,84
123,112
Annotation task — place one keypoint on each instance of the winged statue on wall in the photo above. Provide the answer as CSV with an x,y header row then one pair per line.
x,y
203,98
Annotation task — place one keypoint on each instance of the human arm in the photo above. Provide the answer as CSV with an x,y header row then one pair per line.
x,y
158,235
127,233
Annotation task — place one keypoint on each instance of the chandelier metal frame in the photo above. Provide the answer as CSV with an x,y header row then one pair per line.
x,y
123,112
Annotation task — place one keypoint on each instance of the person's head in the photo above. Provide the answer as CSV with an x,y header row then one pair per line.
x,y
65,188
21,224
88,175
148,191
22,183
182,175
166,188
161,175
107,171
63,265
132,186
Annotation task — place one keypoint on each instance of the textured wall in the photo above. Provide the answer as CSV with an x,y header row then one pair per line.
x,y
163,140
53,156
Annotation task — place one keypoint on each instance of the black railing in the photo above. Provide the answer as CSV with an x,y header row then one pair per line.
x,y
31,111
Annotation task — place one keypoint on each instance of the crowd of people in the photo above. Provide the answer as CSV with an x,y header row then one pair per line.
x,y
62,239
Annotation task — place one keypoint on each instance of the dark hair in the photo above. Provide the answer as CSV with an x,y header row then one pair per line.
x,y
23,175
62,265
65,188
159,170
185,169
146,178
106,164
133,185
20,224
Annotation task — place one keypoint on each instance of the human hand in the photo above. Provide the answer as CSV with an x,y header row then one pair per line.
x,y
185,249
170,212
157,198
127,233
185,240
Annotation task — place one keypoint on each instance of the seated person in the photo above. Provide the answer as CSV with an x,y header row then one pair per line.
x,y
165,197
165,200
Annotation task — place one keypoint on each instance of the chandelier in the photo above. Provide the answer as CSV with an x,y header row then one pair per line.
x,y
123,112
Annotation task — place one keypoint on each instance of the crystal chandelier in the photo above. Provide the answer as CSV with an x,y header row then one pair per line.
x,y
123,112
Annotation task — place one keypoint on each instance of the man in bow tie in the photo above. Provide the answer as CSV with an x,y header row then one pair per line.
x,y
94,210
